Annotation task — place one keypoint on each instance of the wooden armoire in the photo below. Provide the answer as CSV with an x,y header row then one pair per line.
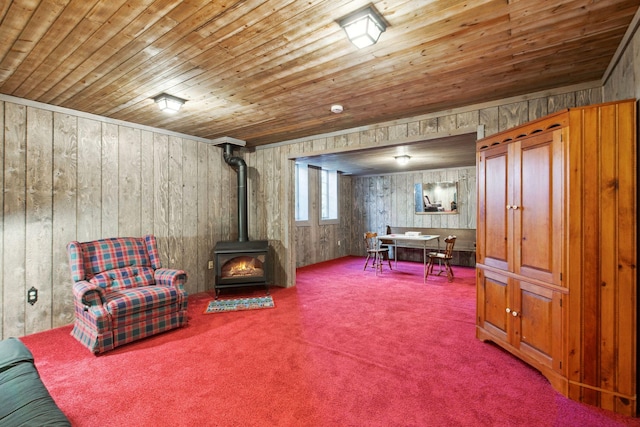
x,y
556,250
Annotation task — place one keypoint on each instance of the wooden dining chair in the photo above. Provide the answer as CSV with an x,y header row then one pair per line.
x,y
442,258
375,252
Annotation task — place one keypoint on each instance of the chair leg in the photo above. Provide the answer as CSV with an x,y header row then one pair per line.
x,y
447,265
389,261
366,261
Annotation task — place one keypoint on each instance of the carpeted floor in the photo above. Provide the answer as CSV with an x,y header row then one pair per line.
x,y
342,348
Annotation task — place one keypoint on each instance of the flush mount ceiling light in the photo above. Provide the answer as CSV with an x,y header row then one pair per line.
x,y
169,103
402,160
364,26
337,108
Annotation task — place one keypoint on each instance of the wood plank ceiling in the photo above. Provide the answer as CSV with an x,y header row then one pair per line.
x,y
268,71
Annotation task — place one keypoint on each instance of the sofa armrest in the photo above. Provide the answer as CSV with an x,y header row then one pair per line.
x,y
13,352
170,277
89,294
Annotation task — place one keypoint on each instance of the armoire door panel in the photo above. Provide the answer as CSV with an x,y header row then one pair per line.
x,y
494,201
536,310
496,301
537,223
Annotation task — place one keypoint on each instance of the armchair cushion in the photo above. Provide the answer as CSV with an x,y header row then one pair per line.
x,y
130,301
124,278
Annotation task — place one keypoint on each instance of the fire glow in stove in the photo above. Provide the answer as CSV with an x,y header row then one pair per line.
x,y
241,264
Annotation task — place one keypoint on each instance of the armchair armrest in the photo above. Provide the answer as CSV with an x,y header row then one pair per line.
x,y
170,277
88,294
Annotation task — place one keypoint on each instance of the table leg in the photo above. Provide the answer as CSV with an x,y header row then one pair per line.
x,y
424,262
395,253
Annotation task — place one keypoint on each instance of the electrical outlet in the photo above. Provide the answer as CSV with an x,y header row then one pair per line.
x,y
210,265
32,295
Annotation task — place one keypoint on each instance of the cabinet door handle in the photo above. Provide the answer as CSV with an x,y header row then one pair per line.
x,y
515,207
514,313
508,310
508,207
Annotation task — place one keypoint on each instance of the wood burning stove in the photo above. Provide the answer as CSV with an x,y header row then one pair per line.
x,y
241,264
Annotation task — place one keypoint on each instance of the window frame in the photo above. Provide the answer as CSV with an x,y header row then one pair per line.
x,y
297,196
333,178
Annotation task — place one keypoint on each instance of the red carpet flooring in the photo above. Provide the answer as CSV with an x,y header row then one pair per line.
x,y
342,348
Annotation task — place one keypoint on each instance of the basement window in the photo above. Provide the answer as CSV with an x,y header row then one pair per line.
x,y
302,193
329,196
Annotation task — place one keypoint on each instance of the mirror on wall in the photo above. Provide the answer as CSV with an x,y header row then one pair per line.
x,y
436,198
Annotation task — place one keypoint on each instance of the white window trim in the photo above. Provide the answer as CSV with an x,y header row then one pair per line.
x,y
335,220
302,222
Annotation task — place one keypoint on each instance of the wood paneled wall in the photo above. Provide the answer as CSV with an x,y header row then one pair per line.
x,y
389,200
76,177
315,243
67,176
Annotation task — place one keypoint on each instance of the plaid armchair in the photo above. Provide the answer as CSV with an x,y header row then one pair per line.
x,y
121,293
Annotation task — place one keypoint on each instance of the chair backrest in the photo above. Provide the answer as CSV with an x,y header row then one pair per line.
x,y
450,242
371,240
115,262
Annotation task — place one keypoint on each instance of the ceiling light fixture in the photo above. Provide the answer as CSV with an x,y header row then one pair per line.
x,y
364,26
402,160
169,103
337,108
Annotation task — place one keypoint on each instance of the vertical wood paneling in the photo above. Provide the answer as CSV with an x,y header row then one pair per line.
x,y
129,206
203,230
13,314
627,277
229,186
512,115
190,216
275,235
146,183
65,152
252,193
39,217
161,195
176,245
271,198
2,264
215,190
289,230
89,180
69,177
538,108
215,193
111,178
388,200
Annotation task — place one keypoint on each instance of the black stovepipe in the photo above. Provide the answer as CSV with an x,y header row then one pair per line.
x,y
241,165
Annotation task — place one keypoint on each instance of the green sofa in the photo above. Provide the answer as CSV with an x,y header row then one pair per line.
x,y
24,400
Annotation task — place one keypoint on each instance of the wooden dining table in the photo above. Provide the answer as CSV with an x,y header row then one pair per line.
x,y
422,239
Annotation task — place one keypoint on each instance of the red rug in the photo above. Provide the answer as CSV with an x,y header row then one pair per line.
x,y
343,348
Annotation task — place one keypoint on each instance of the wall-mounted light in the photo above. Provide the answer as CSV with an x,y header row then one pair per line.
x,y
169,103
364,26
403,159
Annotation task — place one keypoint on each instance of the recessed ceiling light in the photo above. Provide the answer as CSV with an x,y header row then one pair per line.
x,y
337,108
403,159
